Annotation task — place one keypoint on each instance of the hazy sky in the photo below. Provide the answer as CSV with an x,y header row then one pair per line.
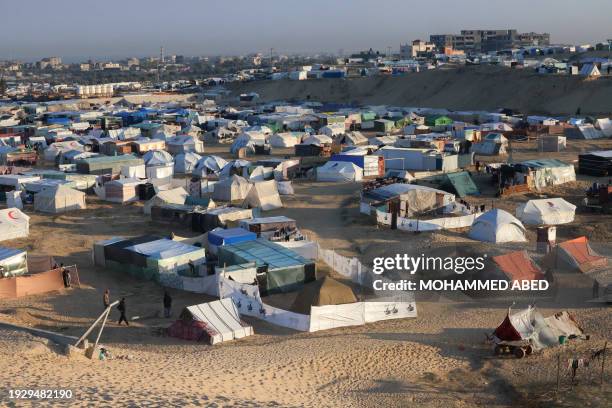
x,y
116,28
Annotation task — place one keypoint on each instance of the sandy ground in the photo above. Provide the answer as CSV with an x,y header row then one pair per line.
x,y
439,359
463,88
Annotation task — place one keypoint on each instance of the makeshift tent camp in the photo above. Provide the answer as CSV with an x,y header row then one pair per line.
x,y
232,189
576,255
352,139
212,322
185,163
413,199
546,211
541,332
59,199
13,262
264,195
517,266
174,196
339,171
235,167
322,292
13,224
497,226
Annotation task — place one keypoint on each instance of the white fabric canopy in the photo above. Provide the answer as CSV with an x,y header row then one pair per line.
x,y
497,226
547,211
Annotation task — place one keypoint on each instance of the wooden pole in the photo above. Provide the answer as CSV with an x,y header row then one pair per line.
x,y
603,363
104,313
558,369
101,328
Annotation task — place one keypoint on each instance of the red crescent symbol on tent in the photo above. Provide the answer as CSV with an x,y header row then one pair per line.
x,y
10,215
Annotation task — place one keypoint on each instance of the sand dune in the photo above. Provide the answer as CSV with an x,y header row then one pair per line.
x,y
466,88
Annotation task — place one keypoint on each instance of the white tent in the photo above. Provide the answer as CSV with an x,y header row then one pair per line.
x,y
157,158
185,163
13,224
287,139
216,322
339,171
285,188
264,195
605,125
58,148
497,226
496,127
173,196
547,211
209,165
234,167
59,199
232,189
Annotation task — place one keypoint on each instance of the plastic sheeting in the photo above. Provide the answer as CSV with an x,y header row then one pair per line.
x,y
339,171
497,226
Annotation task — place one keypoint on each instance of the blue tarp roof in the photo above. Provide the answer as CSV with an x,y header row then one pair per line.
x,y
230,236
6,253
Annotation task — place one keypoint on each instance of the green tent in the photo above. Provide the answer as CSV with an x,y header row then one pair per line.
x,y
460,184
438,120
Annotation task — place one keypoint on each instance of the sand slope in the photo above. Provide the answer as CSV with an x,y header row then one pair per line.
x,y
466,88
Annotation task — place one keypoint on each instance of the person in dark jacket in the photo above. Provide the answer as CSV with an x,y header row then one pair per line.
x,y
122,310
167,304
66,276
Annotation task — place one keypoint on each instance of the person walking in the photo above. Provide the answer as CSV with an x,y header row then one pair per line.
x,y
122,310
65,276
167,304
106,299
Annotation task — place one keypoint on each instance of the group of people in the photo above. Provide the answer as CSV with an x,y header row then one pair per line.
x,y
121,307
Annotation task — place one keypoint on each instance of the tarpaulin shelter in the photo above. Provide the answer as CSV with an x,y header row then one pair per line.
x,y
219,237
541,332
497,226
264,195
13,224
212,322
13,262
107,164
59,199
282,270
174,196
149,257
287,139
518,266
460,184
185,163
576,255
546,211
209,165
122,190
341,171
234,188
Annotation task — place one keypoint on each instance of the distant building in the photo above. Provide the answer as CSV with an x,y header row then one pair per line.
x,y
418,48
489,40
85,66
49,62
133,62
